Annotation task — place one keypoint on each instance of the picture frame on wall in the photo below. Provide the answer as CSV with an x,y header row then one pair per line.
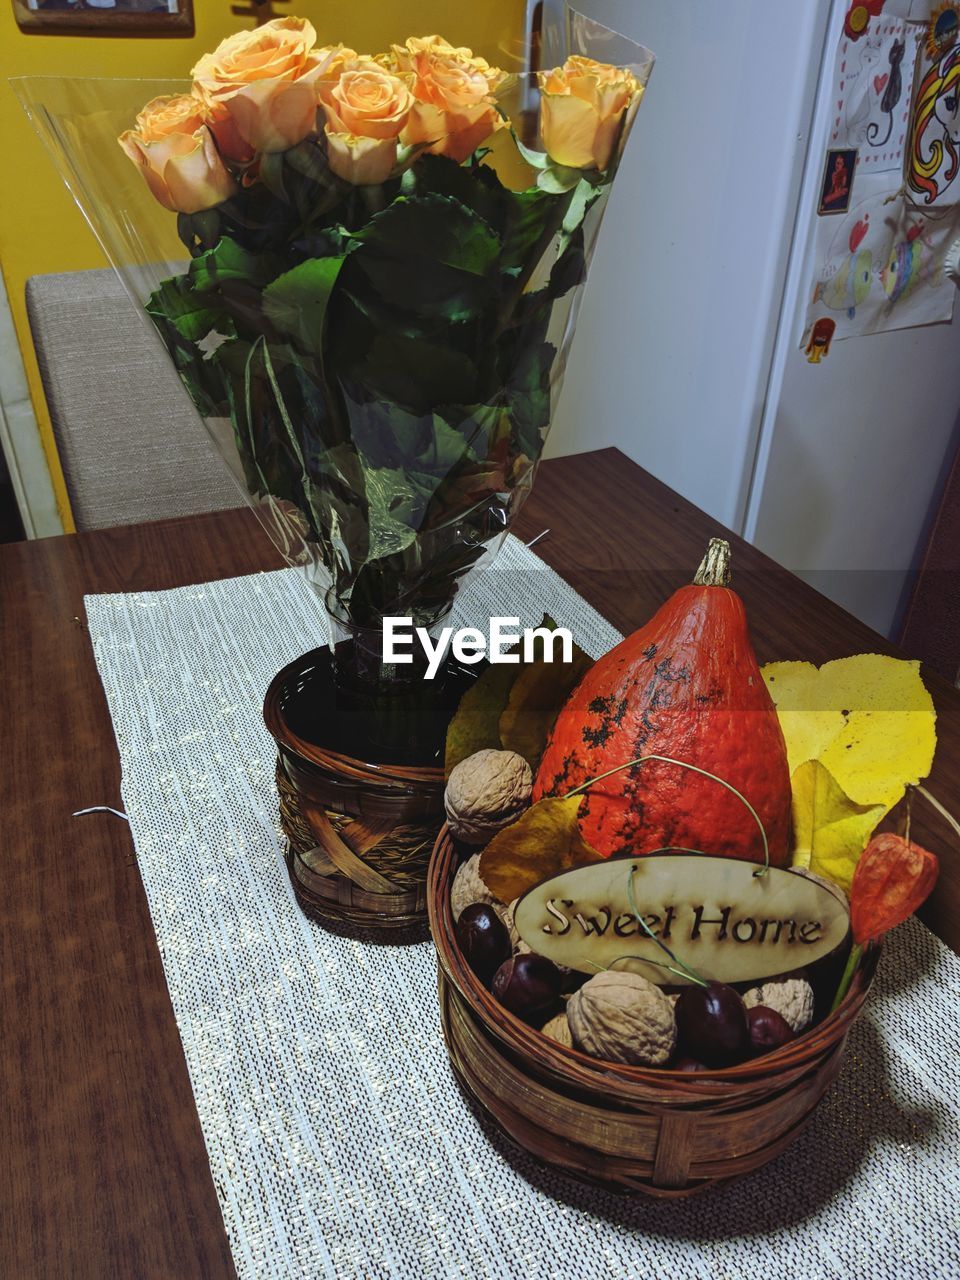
x,y
105,17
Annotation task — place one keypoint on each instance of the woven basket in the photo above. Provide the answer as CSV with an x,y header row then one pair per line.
x,y
359,835
663,1133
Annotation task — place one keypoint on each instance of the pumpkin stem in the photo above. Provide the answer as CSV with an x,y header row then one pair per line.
x,y
714,568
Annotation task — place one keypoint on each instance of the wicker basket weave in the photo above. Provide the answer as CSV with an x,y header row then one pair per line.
x,y
359,835
663,1133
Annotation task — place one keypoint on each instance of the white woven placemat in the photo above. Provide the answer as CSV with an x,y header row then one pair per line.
x,y
339,1143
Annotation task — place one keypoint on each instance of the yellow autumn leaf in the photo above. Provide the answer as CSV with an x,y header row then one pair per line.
x,y
869,720
543,842
476,723
830,830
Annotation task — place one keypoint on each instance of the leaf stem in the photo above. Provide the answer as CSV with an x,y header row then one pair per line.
x,y
684,764
853,961
684,969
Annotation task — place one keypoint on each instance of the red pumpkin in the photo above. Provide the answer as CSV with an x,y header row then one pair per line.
x,y
686,685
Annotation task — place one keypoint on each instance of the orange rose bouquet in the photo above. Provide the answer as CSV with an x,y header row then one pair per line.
x,y
378,314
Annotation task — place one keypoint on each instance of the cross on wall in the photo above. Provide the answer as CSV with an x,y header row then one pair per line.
x,y
261,10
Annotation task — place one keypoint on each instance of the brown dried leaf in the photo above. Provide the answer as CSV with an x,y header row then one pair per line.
x,y
535,700
543,842
477,724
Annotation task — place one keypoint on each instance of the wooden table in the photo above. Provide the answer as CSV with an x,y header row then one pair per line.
x,y
103,1171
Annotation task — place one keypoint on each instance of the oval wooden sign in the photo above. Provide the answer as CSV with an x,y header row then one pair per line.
x,y
716,914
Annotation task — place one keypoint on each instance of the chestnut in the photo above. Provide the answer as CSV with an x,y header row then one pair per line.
x,y
768,1029
689,1064
712,1024
483,939
528,985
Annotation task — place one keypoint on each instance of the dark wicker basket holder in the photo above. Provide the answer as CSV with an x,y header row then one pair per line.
x,y
663,1133
359,835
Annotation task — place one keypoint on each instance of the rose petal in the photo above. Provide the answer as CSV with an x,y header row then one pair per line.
x,y
569,128
361,161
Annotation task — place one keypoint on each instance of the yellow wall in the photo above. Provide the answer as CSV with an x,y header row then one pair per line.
x,y
40,228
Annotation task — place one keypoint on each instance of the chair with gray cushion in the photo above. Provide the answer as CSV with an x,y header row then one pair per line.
x,y
130,442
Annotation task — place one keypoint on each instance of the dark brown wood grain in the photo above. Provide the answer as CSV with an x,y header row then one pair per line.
x,y
931,623
103,1171
102,22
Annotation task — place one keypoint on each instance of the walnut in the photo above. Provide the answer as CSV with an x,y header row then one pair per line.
x,y
558,1029
792,998
485,793
624,1018
467,887
506,915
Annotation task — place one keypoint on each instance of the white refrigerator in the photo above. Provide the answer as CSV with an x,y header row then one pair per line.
x,y
688,354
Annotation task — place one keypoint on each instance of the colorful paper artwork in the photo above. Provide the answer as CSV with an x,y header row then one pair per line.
x,y
943,31
880,266
892,161
933,159
873,82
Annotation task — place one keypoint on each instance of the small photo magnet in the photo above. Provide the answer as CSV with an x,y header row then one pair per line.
x,y
837,185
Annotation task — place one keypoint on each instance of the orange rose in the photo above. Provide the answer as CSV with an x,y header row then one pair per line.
x,y
366,108
177,156
264,82
581,107
367,101
362,161
455,109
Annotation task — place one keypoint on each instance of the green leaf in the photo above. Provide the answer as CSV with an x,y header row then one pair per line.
x,y
585,195
525,221
570,268
397,501
230,262
429,255
199,231
481,427
296,303
558,179
406,156
536,159
438,228
309,160
176,301
270,173
528,396
413,372
269,467
529,227
386,435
